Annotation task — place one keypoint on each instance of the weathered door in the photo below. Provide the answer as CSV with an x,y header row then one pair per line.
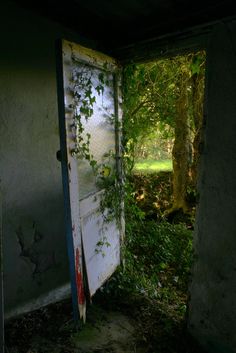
x,y
91,164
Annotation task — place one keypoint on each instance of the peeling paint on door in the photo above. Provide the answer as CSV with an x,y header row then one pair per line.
x,y
85,223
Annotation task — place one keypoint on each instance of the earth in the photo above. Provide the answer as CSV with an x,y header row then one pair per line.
x,y
52,329
131,325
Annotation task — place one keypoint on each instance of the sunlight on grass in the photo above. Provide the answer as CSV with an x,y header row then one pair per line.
x,y
151,165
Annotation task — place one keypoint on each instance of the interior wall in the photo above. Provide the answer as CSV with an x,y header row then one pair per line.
x,y
212,309
34,245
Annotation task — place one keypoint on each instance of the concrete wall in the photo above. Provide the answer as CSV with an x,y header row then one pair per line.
x,y
212,312
35,254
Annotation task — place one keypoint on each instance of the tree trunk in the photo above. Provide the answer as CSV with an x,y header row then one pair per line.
x,y
181,149
197,103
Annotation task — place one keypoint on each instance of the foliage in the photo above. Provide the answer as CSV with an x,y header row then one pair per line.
x,y
157,257
150,94
83,105
163,103
153,193
142,105
155,145
110,204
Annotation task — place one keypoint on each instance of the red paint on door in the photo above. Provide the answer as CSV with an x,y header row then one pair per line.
x,y
79,279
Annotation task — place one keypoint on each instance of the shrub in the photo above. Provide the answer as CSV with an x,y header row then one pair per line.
x,y
157,260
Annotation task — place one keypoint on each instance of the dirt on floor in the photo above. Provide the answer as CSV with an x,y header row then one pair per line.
x,y
130,326
52,329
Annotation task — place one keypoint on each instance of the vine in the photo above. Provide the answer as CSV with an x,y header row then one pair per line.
x,y
84,100
86,86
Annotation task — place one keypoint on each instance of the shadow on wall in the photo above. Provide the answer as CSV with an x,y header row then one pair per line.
x,y
35,249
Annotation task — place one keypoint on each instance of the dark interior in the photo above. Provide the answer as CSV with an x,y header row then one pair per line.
x,y
118,23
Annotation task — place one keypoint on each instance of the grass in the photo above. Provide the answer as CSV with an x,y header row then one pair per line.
x,y
152,165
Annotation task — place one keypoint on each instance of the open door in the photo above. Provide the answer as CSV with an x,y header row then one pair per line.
x,y
90,124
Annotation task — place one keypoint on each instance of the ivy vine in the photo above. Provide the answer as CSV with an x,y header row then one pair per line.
x,y
84,87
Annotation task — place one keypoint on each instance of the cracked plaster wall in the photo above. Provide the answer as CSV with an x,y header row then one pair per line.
x,y
35,254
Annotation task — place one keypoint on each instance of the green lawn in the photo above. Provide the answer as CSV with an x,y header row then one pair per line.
x,y
152,165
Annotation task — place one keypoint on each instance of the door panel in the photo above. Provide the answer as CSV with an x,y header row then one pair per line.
x,y
101,243
90,143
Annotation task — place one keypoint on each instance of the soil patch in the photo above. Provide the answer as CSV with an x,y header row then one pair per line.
x,y
51,329
131,325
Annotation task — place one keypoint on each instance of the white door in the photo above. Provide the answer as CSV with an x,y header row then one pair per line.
x,y
90,124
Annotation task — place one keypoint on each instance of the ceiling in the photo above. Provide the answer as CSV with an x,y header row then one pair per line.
x,y
117,23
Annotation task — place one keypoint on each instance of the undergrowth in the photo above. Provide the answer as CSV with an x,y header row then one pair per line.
x,y
151,284
157,256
